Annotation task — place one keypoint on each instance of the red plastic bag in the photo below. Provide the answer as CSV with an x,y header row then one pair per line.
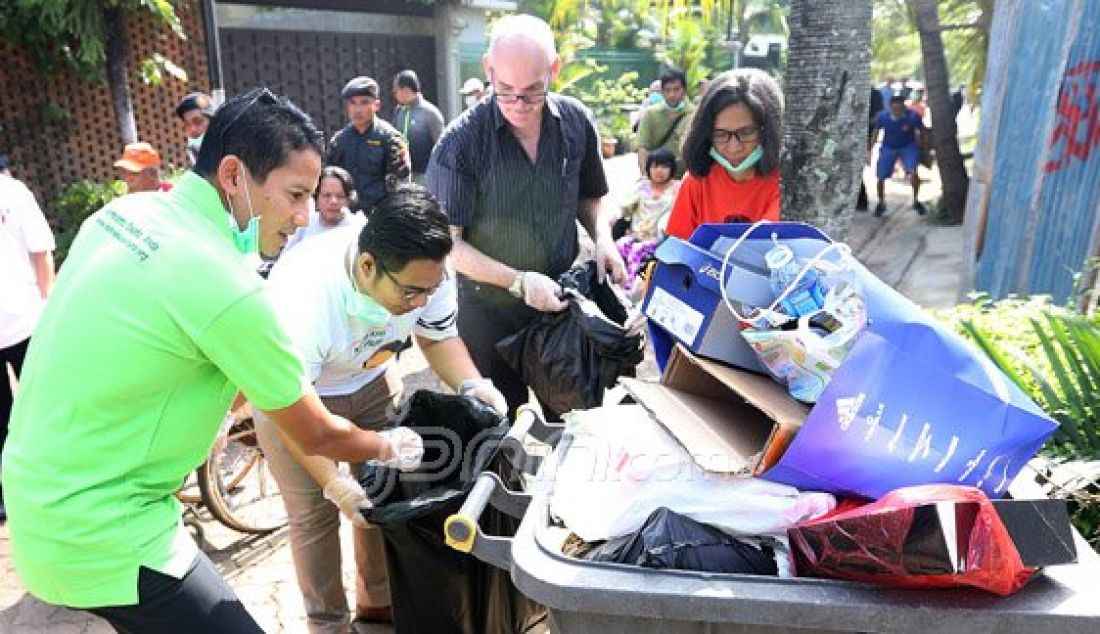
x,y
928,536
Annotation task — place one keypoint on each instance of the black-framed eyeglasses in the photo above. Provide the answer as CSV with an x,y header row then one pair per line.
x,y
261,94
529,98
410,293
744,135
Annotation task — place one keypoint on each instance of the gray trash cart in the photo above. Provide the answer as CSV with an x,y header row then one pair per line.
x,y
603,598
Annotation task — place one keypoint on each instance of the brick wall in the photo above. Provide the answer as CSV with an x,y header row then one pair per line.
x,y
62,129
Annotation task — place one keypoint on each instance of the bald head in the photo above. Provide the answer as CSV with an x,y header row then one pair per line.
x,y
525,35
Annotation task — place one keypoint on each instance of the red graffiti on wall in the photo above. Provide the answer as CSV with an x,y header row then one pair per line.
x,y
1077,130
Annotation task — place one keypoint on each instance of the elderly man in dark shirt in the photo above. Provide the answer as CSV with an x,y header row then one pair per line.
x,y
515,173
371,150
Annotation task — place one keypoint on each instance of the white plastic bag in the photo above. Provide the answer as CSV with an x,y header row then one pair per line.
x,y
622,466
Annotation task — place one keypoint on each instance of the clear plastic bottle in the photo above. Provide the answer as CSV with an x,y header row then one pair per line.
x,y
807,296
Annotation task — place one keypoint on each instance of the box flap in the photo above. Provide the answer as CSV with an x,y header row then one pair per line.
x,y
705,407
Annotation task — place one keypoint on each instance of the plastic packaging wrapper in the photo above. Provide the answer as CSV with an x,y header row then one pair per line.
x,y
929,536
621,468
569,358
670,541
435,588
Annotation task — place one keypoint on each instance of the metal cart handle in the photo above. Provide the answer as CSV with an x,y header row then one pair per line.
x,y
462,531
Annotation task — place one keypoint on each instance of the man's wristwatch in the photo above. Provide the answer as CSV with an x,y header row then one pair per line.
x,y
516,289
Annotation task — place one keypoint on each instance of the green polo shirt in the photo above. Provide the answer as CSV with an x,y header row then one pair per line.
x,y
154,323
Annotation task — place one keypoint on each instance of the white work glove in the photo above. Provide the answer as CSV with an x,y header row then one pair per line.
x,y
635,322
484,391
542,293
608,260
406,447
349,497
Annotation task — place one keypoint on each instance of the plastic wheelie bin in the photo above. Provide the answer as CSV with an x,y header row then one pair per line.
x,y
585,596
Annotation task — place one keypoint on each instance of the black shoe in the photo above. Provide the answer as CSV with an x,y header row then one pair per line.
x,y
880,209
919,206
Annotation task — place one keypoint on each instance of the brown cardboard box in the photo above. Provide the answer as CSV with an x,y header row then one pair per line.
x,y
729,420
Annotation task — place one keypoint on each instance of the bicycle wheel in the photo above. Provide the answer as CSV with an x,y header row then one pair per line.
x,y
237,487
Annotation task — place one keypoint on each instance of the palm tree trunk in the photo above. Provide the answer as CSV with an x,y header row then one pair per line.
x,y
944,134
118,80
827,84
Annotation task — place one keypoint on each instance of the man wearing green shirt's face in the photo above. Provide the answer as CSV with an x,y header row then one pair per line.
x,y
155,323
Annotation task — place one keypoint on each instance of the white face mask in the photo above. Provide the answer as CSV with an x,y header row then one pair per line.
x,y
470,100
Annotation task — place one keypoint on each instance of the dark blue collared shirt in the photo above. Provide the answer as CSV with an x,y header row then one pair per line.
x,y
517,212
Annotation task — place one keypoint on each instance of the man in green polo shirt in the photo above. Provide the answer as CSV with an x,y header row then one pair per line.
x,y
666,124
156,321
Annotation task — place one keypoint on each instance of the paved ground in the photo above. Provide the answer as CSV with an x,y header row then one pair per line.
x,y
920,259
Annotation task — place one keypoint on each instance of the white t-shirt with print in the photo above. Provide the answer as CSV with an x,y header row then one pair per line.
x,y
310,287
23,231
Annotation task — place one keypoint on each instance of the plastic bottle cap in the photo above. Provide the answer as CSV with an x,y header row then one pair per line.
x,y
778,256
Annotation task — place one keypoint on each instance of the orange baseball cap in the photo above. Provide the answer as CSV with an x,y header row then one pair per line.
x,y
137,157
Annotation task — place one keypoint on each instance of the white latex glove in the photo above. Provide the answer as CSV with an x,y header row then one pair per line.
x,y
635,322
345,493
542,293
484,391
406,447
608,260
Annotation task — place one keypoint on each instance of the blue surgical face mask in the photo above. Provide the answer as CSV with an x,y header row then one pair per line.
x,y
364,307
751,160
194,144
678,107
655,98
247,240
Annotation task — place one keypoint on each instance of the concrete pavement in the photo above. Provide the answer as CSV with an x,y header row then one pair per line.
x,y
904,249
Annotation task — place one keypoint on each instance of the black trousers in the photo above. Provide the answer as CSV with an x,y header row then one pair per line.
x,y
13,355
485,316
199,602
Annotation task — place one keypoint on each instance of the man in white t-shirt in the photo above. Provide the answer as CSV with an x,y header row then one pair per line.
x,y
26,275
335,195
350,297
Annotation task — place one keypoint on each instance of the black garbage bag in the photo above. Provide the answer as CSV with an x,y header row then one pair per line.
x,y
433,587
668,540
569,358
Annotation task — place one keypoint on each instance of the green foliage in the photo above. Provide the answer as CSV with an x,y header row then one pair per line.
x,y
609,100
75,203
71,34
154,68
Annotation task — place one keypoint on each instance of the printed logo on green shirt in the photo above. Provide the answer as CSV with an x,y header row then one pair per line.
x,y
127,234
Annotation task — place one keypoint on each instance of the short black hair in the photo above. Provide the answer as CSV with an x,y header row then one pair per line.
x,y
259,128
408,79
761,94
407,224
660,156
898,98
672,75
346,182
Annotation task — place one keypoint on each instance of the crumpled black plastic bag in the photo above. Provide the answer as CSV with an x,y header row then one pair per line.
x,y
433,587
569,358
460,434
668,540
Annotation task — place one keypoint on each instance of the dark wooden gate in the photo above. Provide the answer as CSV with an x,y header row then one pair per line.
x,y
311,67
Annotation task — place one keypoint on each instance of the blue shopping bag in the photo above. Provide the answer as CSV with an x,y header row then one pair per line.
x,y
912,403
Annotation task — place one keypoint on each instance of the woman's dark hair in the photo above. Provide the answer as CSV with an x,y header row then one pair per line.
x,y
342,175
660,156
259,128
407,224
761,95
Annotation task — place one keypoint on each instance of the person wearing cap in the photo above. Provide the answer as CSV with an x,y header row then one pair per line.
x,y
419,120
156,325
371,150
140,165
195,111
26,259
472,91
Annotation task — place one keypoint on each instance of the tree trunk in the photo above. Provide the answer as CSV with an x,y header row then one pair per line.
x,y
944,134
827,88
118,77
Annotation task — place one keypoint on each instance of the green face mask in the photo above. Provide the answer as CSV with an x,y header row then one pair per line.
x,y
364,307
752,159
247,240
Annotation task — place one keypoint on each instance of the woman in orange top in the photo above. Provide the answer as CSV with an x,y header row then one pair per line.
x,y
732,154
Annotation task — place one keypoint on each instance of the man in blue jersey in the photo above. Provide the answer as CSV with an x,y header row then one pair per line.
x,y
902,137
